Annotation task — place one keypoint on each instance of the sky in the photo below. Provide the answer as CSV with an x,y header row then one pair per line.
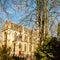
x,y
12,9
18,11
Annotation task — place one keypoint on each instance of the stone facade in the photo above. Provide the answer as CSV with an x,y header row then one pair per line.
x,y
22,41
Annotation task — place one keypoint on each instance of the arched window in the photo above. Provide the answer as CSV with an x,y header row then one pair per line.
x,y
25,47
30,47
19,45
20,36
5,35
15,36
30,39
26,38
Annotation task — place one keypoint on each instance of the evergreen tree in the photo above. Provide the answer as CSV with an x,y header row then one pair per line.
x,y
5,52
49,50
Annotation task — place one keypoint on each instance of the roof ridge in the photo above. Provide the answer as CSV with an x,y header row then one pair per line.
x,y
7,21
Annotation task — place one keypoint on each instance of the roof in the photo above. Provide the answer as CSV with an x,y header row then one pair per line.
x,y
17,27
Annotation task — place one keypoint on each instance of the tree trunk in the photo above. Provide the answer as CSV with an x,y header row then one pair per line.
x,y
39,20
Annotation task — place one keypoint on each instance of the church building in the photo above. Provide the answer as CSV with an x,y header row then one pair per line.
x,y
23,41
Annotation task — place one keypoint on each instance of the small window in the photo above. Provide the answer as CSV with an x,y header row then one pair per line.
x,y
25,47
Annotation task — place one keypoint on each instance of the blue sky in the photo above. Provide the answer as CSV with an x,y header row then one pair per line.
x,y
18,9
17,15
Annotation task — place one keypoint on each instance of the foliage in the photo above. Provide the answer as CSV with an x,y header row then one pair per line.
x,y
5,52
49,50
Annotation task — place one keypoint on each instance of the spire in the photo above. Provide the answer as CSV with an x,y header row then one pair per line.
x,y
6,21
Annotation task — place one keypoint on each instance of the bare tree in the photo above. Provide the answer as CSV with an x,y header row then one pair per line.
x,y
41,11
